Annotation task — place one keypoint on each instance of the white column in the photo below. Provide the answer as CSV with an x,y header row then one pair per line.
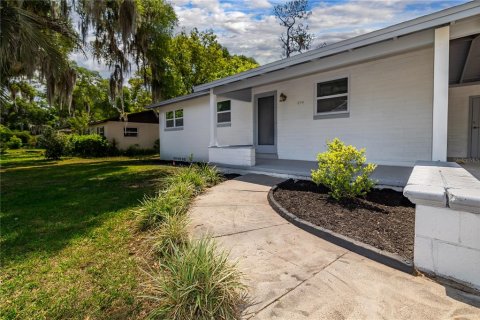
x,y
213,119
440,94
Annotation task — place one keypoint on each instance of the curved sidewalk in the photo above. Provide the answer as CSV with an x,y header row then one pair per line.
x,y
292,274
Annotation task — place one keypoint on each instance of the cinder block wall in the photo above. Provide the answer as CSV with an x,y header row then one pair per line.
x,y
447,221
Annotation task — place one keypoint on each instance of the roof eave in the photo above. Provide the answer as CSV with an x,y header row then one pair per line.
x,y
422,23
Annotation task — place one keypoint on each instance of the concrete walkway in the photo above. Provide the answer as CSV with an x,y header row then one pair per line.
x,y
295,275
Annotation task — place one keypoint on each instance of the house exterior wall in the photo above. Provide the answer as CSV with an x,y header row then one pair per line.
x,y
390,103
147,134
194,138
240,132
458,119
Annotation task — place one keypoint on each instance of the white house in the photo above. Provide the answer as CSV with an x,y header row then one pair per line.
x,y
407,92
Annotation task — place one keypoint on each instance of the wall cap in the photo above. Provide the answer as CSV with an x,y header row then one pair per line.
x,y
443,184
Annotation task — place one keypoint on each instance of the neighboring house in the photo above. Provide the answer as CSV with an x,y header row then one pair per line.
x,y
140,130
407,92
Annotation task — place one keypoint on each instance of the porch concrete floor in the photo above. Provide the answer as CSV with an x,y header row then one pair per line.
x,y
394,176
472,167
292,274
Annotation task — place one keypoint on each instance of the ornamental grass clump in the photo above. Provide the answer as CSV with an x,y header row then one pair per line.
x,y
176,197
343,169
171,235
197,281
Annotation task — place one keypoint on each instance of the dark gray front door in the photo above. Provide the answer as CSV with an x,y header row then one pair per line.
x,y
265,115
475,127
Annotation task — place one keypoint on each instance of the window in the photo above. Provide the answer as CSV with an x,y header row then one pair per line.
x,y
101,131
332,97
130,132
224,113
174,119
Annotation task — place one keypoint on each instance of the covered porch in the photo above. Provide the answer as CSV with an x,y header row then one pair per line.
x,y
271,125
395,177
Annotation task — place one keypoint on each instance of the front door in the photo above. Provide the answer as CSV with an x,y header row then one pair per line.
x,y
265,134
475,127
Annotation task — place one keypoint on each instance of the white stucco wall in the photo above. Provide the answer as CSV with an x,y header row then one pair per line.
x,y
147,134
458,119
241,130
194,138
390,102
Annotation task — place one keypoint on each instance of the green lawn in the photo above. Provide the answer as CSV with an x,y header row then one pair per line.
x,y
70,248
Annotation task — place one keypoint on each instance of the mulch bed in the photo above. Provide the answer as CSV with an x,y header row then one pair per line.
x,y
384,219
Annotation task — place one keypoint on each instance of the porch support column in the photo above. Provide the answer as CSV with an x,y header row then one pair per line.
x,y
213,119
440,94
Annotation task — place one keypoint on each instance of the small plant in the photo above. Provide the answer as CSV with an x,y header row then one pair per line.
x,y
343,169
171,235
197,282
14,142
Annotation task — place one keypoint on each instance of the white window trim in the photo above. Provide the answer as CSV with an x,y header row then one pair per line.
x,y
125,132
331,114
175,127
224,123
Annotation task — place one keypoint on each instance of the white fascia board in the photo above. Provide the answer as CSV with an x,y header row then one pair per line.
x,y
178,99
426,22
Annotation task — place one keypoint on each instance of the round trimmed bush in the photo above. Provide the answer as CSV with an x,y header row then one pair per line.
x,y
14,142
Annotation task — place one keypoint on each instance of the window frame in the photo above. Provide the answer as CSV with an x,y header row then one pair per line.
x,y
131,133
224,123
100,131
174,119
331,114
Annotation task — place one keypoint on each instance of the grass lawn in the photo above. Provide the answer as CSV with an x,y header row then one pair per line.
x,y
70,248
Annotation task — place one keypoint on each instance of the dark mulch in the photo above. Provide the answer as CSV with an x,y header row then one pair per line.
x,y
384,219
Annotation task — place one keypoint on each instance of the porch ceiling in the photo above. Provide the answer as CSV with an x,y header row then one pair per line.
x,y
464,60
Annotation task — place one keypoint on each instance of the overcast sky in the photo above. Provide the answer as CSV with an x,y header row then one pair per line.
x,y
248,27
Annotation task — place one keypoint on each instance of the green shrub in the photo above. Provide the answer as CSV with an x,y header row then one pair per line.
x,y
343,170
135,150
14,142
197,282
5,133
172,234
56,144
25,136
90,145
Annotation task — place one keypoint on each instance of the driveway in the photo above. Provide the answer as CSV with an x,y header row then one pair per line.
x,y
292,274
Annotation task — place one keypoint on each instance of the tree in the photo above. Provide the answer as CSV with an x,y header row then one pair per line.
x,y
292,16
35,40
126,30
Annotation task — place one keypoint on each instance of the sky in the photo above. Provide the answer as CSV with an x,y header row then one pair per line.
x,y
249,27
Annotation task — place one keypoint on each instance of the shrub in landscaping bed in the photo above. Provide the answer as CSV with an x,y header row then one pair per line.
x,y
197,281
343,169
384,218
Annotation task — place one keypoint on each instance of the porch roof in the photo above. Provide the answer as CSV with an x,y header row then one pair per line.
x,y
437,19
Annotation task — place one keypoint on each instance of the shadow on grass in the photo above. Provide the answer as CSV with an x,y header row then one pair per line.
x,y
45,207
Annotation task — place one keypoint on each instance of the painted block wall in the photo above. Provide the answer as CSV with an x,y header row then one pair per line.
x,y
447,243
195,136
147,134
390,103
241,130
458,119
243,156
